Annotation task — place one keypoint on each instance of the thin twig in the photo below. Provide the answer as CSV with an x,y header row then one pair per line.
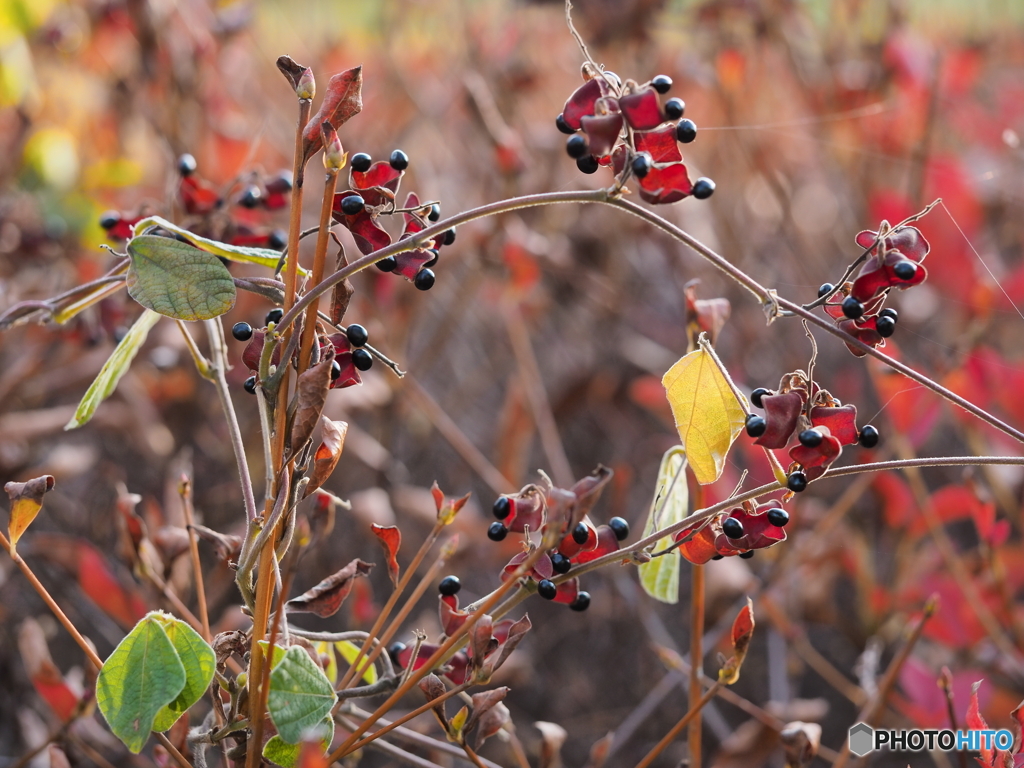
x,y
185,491
676,729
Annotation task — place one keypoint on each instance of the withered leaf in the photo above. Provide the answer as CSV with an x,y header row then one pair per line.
x,y
552,737
228,643
589,490
391,539
311,390
292,70
342,102
433,688
342,293
332,441
480,637
326,597
483,703
742,633
26,501
801,742
515,635
228,546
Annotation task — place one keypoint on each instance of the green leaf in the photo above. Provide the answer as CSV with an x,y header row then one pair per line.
x,y
199,661
117,364
279,751
178,280
349,651
262,256
660,576
300,695
141,677
278,652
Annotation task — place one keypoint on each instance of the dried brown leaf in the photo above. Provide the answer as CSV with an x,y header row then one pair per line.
x,y
228,546
801,741
311,393
332,442
326,597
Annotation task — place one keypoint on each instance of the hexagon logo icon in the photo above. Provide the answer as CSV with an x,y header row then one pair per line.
x,y
862,738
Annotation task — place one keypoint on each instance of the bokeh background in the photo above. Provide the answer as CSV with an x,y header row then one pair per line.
x,y
816,119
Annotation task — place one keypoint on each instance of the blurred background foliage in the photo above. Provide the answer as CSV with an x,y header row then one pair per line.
x,y
816,119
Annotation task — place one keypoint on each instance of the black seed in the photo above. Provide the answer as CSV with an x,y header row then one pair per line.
x,y
497,532
885,326
868,436
435,212
619,527
825,289
356,335
186,165
718,557
662,84
274,316
580,533
547,589
360,162
732,528
563,126
433,258
560,563
448,236
576,146
674,109
686,131
852,308
424,279
352,205
778,517
757,394
747,555
109,219
502,507
450,585
588,165
250,385
251,196
756,425
387,265
394,650
241,331
641,165
905,270
362,359
399,160
890,312
703,188
797,482
277,239
581,602
810,438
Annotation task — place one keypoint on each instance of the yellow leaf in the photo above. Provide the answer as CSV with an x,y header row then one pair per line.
x,y
708,415
26,501
324,649
660,576
349,651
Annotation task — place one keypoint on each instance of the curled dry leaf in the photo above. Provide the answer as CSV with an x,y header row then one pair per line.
x,y
515,635
228,546
343,101
229,643
326,597
481,639
26,501
484,705
433,688
299,76
391,539
332,442
801,742
742,632
552,737
311,391
588,491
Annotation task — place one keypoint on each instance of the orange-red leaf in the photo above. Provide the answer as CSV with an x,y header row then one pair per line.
x,y
44,674
391,539
343,101
26,501
742,632
332,436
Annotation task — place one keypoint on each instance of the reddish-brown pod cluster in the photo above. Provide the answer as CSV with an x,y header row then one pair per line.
x,y
740,531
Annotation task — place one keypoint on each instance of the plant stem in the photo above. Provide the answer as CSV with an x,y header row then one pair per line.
x,y
426,707
697,659
671,736
319,259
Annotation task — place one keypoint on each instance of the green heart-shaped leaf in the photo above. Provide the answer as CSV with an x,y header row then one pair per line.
x,y
199,661
279,751
178,280
300,695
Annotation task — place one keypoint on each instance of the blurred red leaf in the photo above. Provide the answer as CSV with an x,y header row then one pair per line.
x,y
44,674
391,539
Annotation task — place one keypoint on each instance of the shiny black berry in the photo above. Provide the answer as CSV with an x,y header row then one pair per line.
x,y
250,197
424,279
581,602
620,528
387,265
335,370
662,84
434,255
757,394
852,308
732,528
563,126
580,533
448,236
360,162
686,131
109,219
546,588
352,205
588,164
356,335
674,109
905,270
747,555
778,517
885,326
756,425
560,563
703,188
718,557
641,165
577,146
186,165
450,585
241,331
274,316
825,289
497,532
502,508
891,313
797,482
362,359
868,436
435,212
399,160
250,385
394,650
277,239
810,438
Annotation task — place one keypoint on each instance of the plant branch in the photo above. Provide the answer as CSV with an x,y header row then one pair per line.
x,y
676,729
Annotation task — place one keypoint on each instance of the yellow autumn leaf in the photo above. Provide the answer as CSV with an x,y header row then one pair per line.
x,y
660,576
26,501
706,409
349,651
